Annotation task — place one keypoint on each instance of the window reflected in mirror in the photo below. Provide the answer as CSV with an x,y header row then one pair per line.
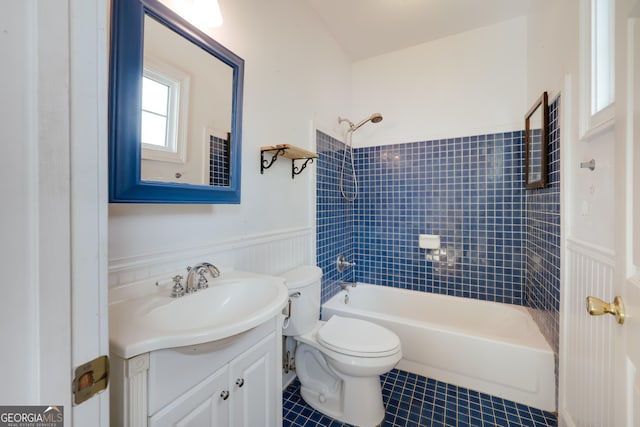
x,y
159,112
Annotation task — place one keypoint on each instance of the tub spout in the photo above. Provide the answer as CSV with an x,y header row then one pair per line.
x,y
344,285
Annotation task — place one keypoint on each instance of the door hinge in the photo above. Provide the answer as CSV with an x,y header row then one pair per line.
x,y
90,379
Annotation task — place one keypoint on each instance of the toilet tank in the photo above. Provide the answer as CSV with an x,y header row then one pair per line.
x,y
304,294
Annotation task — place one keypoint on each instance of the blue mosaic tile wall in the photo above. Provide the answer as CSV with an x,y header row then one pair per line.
x,y
334,215
542,290
470,191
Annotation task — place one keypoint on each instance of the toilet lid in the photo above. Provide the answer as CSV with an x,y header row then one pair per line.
x,y
355,337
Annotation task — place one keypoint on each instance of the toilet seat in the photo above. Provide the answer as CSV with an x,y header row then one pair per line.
x,y
356,337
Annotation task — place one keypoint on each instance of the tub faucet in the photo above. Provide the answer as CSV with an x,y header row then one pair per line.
x,y
342,263
199,270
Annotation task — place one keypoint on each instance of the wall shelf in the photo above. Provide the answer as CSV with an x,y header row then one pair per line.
x,y
288,151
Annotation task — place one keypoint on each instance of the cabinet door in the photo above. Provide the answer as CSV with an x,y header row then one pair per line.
x,y
207,404
253,383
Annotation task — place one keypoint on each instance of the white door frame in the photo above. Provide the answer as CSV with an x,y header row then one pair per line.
x,y
89,194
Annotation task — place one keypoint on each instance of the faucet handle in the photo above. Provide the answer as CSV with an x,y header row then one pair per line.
x,y
202,281
178,289
342,263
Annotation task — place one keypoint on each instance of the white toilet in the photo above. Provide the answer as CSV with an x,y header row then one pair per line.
x,y
338,362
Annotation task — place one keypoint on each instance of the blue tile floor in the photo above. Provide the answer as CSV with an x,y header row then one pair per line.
x,y
412,401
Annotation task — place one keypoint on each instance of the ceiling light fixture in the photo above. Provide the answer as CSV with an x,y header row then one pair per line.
x,y
206,13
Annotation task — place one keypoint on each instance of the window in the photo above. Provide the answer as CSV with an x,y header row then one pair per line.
x,y
602,54
597,65
165,93
156,114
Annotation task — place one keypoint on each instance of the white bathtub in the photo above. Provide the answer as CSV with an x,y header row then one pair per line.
x,y
484,346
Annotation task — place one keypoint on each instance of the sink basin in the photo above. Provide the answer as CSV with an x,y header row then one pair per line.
x,y
149,319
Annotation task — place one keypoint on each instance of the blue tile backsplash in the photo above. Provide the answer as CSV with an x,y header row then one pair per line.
x,y
334,216
466,190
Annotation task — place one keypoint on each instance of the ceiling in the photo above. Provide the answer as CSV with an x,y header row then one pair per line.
x,y
366,28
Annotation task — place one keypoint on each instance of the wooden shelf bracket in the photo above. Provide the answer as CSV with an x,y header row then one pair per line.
x,y
288,151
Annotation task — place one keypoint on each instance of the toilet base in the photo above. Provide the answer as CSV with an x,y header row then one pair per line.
x,y
358,402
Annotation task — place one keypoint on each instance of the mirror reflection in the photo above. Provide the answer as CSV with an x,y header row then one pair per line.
x,y
536,123
186,111
535,146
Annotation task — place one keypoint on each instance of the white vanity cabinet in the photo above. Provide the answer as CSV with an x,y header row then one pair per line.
x,y
231,382
203,405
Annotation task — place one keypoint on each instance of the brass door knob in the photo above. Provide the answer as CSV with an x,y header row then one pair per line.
x,y
597,307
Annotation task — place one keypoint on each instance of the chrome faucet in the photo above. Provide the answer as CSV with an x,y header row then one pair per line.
x,y
192,285
200,270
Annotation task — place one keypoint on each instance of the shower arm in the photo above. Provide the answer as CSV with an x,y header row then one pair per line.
x,y
374,118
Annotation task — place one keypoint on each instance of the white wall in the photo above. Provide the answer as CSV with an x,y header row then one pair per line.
x,y
552,46
467,84
553,65
295,75
18,315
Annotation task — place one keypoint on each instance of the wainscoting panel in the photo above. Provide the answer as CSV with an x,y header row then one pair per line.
x,y
589,341
268,253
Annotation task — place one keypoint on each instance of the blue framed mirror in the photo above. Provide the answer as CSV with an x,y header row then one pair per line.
x,y
175,110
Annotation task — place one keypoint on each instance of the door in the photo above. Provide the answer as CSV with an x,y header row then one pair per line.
x,y
628,221
206,404
599,357
253,381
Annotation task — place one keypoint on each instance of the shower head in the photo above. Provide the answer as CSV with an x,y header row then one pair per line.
x,y
374,118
